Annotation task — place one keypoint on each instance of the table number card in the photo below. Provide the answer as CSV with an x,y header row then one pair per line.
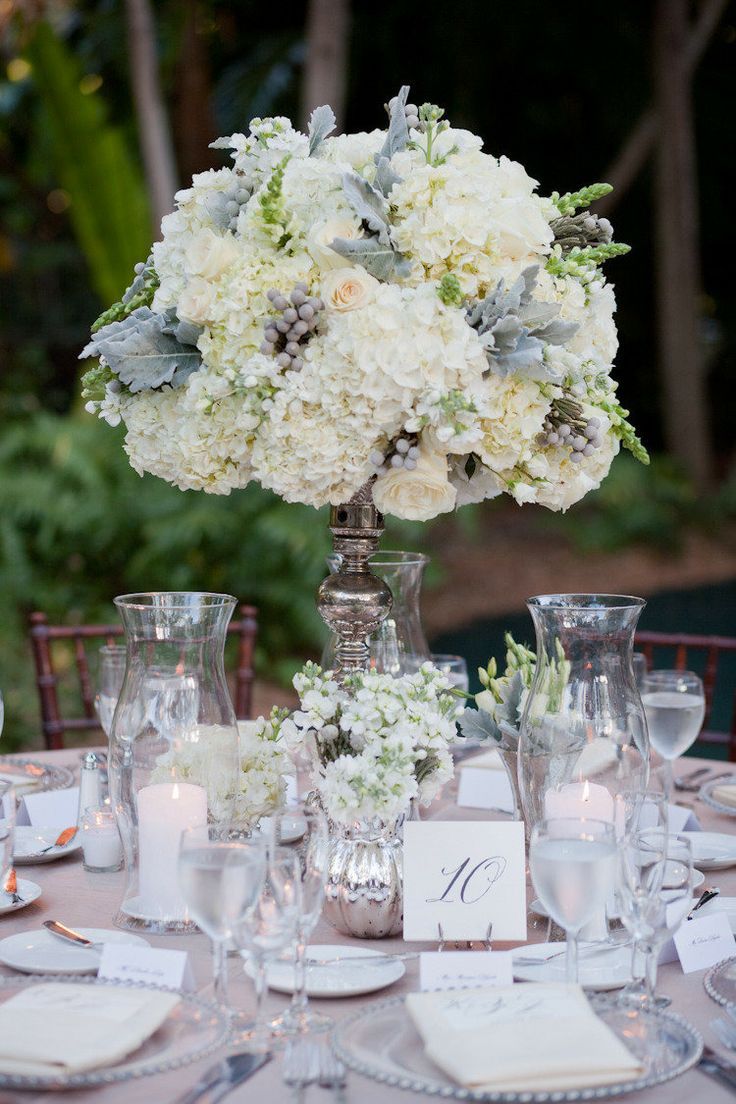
x,y
464,876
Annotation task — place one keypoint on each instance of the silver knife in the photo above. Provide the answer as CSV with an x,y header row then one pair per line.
x,y
221,1079
57,928
715,1067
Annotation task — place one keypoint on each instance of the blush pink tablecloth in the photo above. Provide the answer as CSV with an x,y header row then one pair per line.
x,y
82,899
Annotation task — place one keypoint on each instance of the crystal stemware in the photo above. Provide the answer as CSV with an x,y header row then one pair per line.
x,y
220,877
674,703
455,667
7,830
572,863
110,675
302,829
264,933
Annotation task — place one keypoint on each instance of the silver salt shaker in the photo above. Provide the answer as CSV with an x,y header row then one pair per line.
x,y
90,785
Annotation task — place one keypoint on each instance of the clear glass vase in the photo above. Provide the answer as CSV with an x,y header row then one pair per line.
x,y
399,646
174,760
583,739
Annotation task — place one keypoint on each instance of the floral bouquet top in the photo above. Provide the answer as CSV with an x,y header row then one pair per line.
x,y
375,742
397,306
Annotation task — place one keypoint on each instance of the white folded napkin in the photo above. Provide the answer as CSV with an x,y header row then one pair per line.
x,y
726,794
490,760
53,1029
520,1038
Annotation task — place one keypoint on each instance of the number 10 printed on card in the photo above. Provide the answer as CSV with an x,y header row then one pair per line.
x,y
461,877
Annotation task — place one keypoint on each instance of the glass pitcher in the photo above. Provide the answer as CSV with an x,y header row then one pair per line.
x,y
583,740
174,761
399,646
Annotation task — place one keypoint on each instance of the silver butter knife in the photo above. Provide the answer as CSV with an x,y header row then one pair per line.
x,y
224,1077
63,932
723,1072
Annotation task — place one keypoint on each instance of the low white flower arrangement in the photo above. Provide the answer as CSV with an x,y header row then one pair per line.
x,y
395,306
205,758
375,743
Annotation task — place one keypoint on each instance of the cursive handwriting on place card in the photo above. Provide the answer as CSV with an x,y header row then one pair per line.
x,y
703,941
464,969
131,962
463,877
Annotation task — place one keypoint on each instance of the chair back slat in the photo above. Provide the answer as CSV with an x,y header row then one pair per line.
x,y
42,635
711,649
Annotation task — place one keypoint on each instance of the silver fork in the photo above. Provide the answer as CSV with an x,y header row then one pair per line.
x,y
301,1066
332,1073
585,952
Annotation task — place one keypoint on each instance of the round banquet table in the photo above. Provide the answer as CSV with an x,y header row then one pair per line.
x,y
82,899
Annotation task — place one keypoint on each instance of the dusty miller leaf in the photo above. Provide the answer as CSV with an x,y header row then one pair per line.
x,y
321,123
398,130
368,204
143,352
385,175
476,724
381,261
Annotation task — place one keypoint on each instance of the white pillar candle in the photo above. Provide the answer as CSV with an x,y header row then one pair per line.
x,y
165,811
580,799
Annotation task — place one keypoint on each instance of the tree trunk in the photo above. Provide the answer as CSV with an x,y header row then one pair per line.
x,y
681,368
153,125
325,65
194,120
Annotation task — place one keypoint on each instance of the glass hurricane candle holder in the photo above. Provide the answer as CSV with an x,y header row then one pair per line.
x,y
174,758
101,845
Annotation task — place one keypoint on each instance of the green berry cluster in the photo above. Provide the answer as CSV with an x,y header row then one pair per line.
x,y
449,290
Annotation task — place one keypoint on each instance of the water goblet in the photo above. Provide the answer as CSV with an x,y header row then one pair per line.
x,y
572,863
642,857
7,830
302,828
220,877
455,668
266,930
674,703
110,675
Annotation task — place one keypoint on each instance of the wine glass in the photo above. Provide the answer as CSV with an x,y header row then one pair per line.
x,y
302,828
220,877
7,830
674,703
572,861
455,668
656,885
270,926
640,666
110,675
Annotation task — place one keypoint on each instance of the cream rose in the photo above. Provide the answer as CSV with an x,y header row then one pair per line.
x,y
195,301
417,495
210,254
322,235
346,289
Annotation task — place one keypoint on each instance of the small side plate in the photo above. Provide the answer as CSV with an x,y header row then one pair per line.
x,y
27,892
340,980
29,842
40,952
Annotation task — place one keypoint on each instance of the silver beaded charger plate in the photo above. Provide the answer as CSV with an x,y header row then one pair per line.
x,y
720,982
381,1042
706,794
33,775
192,1030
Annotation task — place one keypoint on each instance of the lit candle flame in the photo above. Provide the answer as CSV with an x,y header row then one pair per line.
x,y
586,791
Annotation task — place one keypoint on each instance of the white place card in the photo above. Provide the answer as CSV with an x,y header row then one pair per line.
x,y
55,809
462,876
464,969
481,788
133,962
679,819
703,941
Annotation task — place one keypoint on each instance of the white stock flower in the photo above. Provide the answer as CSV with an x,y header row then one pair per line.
x,y
416,495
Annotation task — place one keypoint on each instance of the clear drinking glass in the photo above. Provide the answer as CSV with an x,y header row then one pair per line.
x,y
220,877
265,931
110,675
674,703
640,666
7,830
573,863
655,880
455,667
302,829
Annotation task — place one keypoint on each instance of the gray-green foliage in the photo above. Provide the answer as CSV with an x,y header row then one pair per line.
x,y
397,134
368,204
382,261
144,350
321,123
514,327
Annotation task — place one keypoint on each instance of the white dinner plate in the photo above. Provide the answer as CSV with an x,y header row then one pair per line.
x,y
711,850
341,979
28,892
597,970
29,842
40,952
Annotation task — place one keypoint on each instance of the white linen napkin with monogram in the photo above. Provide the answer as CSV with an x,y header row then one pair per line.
x,y
519,1038
51,1029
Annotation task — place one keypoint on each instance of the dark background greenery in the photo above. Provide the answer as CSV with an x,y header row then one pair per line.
x,y
556,87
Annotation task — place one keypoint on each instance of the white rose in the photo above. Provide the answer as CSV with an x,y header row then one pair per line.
x,y
210,254
345,289
416,495
322,235
195,301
